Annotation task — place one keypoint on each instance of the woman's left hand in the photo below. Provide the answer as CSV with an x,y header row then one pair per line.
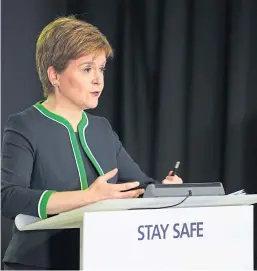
x,y
172,179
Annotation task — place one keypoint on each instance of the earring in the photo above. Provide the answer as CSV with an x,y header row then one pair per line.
x,y
55,84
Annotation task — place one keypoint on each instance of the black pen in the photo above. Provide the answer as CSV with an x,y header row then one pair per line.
x,y
175,168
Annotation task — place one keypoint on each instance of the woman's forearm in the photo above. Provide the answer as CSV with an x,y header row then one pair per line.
x,y
60,202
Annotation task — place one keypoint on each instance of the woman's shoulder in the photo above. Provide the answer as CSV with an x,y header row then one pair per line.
x,y
23,122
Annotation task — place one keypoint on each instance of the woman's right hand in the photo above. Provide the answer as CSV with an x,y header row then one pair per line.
x,y
100,189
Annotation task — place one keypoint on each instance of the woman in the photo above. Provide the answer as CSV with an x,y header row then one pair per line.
x,y
56,157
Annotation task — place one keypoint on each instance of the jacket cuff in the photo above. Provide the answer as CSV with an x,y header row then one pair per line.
x,y
43,203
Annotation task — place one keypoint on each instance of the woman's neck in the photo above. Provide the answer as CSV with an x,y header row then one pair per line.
x,y
65,109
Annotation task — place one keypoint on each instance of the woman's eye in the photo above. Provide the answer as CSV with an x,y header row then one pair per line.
x,y
102,69
87,69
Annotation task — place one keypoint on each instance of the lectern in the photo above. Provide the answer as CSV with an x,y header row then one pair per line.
x,y
202,233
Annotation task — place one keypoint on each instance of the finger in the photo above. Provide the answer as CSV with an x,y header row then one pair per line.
x,y
170,173
131,194
107,176
166,181
177,180
126,186
172,180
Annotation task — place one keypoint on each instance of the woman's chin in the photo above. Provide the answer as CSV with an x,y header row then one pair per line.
x,y
90,105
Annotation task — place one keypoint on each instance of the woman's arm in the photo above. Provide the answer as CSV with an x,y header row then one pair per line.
x,y
18,153
128,169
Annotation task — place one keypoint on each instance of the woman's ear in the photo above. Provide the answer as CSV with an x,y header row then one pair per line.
x,y
53,76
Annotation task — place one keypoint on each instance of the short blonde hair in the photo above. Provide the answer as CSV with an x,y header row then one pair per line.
x,y
63,40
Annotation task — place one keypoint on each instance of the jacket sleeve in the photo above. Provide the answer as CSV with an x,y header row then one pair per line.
x,y
18,153
128,170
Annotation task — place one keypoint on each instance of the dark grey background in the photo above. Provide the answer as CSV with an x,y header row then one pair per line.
x,y
182,85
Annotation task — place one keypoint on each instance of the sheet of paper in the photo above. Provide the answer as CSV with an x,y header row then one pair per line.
x,y
240,192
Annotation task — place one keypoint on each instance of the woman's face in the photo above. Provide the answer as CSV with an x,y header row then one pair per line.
x,y
82,81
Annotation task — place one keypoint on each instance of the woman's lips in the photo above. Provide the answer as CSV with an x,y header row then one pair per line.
x,y
95,93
